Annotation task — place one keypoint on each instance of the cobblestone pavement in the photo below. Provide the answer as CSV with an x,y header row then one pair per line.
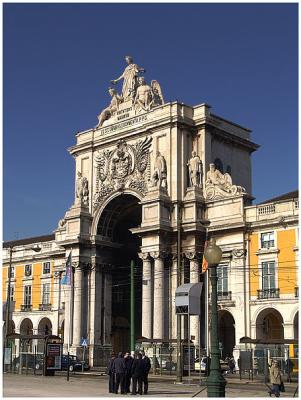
x,y
96,386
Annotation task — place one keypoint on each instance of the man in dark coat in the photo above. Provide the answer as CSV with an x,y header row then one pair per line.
x,y
128,371
119,371
147,367
111,374
137,374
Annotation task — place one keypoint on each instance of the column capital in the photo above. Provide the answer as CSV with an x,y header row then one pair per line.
x,y
144,256
158,254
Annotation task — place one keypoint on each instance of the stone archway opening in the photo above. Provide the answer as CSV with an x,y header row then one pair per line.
x,y
226,333
269,325
26,328
118,217
44,328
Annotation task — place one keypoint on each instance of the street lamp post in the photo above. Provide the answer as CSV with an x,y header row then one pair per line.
x,y
215,382
58,274
8,296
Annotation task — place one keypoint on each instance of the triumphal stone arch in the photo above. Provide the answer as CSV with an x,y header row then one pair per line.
x,y
148,189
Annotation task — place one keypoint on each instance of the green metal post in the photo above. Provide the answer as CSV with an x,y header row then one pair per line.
x,y
132,307
216,382
179,282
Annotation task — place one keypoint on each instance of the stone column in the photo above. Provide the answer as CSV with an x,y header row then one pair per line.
x,y
77,306
147,296
95,312
158,315
288,331
194,278
67,296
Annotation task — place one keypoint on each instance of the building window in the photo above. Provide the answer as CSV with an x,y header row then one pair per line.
x,y
219,165
222,278
46,293
268,275
27,295
46,268
267,240
28,270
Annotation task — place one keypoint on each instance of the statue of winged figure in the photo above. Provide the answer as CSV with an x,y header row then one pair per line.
x,y
157,94
142,154
147,96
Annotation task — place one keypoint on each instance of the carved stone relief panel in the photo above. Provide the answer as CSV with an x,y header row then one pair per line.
x,y
125,166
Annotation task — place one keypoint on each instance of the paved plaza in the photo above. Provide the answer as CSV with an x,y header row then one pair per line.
x,y
91,385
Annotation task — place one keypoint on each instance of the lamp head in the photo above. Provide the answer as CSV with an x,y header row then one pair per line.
x,y
213,253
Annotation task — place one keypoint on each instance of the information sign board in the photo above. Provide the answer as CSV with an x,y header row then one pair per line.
x,y
54,354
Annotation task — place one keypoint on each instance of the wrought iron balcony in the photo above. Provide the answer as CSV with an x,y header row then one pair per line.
x,y
297,291
224,296
44,307
268,294
26,307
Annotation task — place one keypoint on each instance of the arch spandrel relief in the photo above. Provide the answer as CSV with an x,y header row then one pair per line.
x,y
126,166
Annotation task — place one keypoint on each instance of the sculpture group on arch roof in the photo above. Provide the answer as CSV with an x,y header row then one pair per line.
x,y
135,91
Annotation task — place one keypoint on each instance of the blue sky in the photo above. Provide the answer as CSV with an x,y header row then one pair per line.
x,y
58,60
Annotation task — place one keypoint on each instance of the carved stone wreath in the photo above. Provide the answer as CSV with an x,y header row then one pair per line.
x,y
126,166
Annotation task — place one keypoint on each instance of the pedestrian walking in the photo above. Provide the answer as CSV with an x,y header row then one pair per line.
x,y
147,367
119,371
128,371
275,379
138,369
231,364
289,365
111,374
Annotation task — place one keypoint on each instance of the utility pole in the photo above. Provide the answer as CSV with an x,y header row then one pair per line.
x,y
179,282
132,333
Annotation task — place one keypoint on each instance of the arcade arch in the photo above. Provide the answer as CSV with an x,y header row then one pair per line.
x,y
226,332
269,325
26,328
44,328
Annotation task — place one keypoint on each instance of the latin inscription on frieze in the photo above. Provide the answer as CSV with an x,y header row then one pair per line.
x,y
122,125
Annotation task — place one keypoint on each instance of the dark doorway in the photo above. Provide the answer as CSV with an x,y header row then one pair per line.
x,y
119,216
226,333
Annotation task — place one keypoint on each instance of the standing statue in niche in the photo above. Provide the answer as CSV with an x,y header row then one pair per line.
x,y
159,177
195,168
113,107
129,77
82,189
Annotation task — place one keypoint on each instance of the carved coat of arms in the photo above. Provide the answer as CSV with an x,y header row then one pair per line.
x,y
122,167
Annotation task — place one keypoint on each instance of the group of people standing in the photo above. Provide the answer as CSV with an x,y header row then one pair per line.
x,y
124,368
